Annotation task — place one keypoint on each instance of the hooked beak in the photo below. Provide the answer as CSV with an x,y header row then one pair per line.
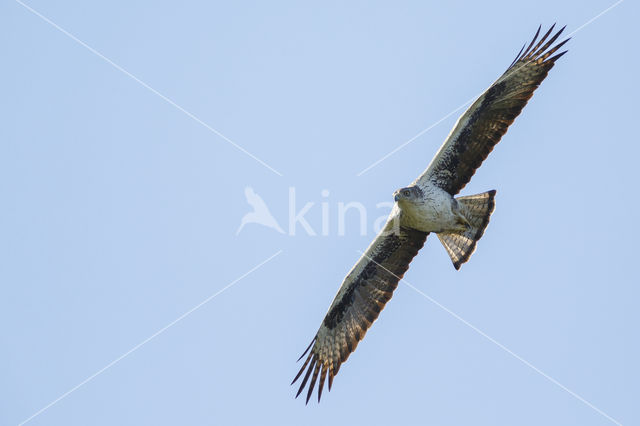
x,y
396,196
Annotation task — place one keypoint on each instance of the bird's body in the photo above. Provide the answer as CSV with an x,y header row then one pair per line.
x,y
428,205
432,209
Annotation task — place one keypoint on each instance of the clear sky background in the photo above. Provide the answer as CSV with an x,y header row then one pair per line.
x,y
119,213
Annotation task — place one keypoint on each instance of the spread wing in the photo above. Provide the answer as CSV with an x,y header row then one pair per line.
x,y
482,126
363,294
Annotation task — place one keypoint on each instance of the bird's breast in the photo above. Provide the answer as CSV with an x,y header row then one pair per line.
x,y
434,213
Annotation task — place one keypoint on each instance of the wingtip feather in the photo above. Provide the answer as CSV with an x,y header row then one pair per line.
x,y
312,385
307,350
306,377
537,50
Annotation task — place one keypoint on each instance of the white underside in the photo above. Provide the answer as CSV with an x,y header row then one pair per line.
x,y
436,212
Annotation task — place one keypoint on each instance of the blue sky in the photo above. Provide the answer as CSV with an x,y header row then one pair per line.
x,y
120,212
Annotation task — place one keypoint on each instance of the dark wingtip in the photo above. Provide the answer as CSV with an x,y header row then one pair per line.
x,y
306,376
307,350
558,56
518,55
301,369
314,377
562,43
536,48
294,379
535,37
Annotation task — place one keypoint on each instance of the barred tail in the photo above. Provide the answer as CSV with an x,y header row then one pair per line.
x,y
477,210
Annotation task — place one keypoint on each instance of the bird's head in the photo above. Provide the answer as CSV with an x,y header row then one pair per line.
x,y
410,194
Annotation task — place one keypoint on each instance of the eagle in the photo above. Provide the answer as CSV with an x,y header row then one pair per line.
x,y
428,205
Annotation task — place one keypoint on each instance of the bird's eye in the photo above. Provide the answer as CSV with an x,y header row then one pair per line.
x,y
406,193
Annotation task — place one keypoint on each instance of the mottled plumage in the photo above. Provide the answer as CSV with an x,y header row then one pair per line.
x,y
482,126
427,206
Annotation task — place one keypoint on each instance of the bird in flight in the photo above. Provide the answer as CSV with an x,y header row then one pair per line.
x,y
428,205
